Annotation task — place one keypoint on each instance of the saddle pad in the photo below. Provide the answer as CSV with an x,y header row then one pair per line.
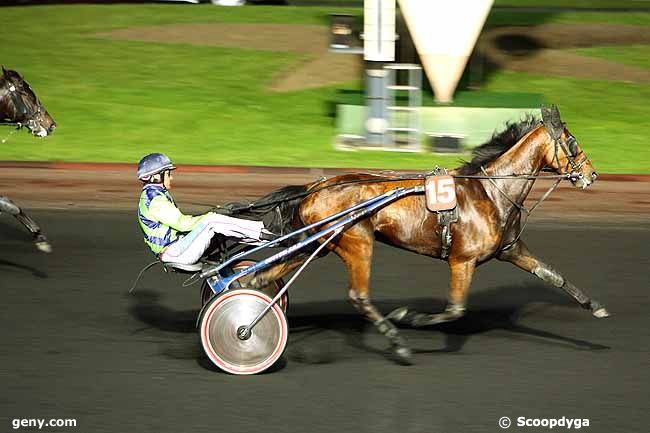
x,y
440,193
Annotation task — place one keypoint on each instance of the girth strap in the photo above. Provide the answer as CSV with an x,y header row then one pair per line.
x,y
445,219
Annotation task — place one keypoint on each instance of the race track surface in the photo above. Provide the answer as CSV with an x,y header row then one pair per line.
x,y
75,344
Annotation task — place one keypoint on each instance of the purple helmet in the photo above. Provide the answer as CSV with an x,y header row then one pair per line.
x,y
154,163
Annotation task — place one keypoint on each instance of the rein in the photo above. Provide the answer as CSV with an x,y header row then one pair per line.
x,y
4,140
521,207
572,175
422,176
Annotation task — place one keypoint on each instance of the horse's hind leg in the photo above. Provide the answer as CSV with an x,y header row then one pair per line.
x,y
41,242
355,248
521,257
461,272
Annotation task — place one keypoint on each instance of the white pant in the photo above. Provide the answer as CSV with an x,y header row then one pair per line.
x,y
190,248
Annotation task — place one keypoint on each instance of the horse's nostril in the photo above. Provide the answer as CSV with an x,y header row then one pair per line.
x,y
594,176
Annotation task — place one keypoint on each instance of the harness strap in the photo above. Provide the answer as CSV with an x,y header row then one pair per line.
x,y
445,219
514,203
521,207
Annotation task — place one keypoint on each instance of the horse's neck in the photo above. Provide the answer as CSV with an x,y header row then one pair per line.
x,y
526,157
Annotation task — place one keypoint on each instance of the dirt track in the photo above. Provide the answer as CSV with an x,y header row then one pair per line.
x,y
196,188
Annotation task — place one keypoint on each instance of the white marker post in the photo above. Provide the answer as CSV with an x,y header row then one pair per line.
x,y
444,33
378,47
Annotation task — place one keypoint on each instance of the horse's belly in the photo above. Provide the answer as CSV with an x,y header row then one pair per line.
x,y
415,233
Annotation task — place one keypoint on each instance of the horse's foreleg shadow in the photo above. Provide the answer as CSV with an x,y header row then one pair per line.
x,y
523,301
477,322
35,272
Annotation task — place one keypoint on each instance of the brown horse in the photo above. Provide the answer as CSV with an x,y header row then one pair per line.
x,y
488,226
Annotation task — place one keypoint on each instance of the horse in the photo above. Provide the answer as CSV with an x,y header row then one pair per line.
x,y
490,189
19,106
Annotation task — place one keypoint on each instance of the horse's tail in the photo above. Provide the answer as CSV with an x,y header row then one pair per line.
x,y
276,209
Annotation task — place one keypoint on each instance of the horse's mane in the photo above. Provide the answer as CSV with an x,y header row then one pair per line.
x,y
499,144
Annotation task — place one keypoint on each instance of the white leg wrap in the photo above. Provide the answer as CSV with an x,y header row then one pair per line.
x,y
8,206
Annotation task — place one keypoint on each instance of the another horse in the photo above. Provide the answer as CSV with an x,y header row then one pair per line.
x,y
19,106
489,204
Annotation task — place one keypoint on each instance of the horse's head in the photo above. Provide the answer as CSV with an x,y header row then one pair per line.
x,y
564,155
19,105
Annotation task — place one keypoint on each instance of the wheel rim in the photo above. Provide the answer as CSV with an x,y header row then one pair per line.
x,y
228,312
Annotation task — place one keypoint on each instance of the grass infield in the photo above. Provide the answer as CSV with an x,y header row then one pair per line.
x,y
116,100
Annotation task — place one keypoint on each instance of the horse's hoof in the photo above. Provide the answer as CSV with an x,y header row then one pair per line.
x,y
44,246
401,355
601,313
398,314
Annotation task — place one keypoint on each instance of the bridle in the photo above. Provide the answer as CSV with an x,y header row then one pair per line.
x,y
570,149
19,107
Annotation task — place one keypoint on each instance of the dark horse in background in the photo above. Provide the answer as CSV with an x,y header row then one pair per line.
x,y
20,107
488,226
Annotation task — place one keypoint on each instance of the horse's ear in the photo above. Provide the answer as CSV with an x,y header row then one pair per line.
x,y
558,125
4,71
550,119
546,115
555,115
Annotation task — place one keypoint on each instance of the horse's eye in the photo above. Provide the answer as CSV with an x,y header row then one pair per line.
x,y
573,145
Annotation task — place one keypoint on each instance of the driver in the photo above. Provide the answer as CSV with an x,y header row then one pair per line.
x,y
162,222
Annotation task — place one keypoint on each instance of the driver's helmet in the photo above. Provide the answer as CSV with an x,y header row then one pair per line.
x,y
153,164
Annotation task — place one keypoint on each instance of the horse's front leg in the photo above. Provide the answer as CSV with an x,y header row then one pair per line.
x,y
41,242
520,256
461,272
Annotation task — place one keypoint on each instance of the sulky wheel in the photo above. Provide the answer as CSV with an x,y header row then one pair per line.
x,y
229,312
271,289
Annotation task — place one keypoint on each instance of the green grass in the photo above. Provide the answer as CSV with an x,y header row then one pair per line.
x,y
117,100
608,119
638,55
577,4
